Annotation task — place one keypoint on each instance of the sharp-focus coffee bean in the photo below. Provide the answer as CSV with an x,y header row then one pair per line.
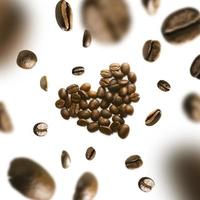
x,y
101,92
114,109
114,67
5,120
26,59
77,71
117,100
105,130
74,109
106,73
64,15
83,122
103,121
132,77
146,184
131,88
87,39
117,118
133,162
109,97
153,117
164,86
106,113
92,94
94,104
118,74
93,127
44,83
31,179
65,113
123,82
60,103
85,87
83,104
84,114
86,187
84,95
104,82
72,88
115,126
135,97
62,93
76,98
125,68
151,6
104,104
123,131
90,153
129,109
195,67
126,99
151,50
123,91
65,159
95,115
182,25
40,129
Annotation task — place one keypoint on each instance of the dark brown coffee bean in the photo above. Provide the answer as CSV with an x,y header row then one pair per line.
x,y
92,94
113,81
115,126
101,92
104,82
82,122
118,74
125,68
151,6
132,77
65,113
131,88
40,129
74,109
26,59
114,109
151,50
117,100
87,39
164,86
31,179
93,127
114,87
90,153
85,87
65,159
105,130
106,113
44,83
94,104
109,97
77,71
117,118
62,93
126,99
60,103
135,97
103,121
153,117
84,114
129,109
133,162
114,67
83,104
76,98
123,131
122,82
73,88
104,104
86,187
146,184
195,67
106,73
122,111
64,15
95,115
123,91
182,25
84,95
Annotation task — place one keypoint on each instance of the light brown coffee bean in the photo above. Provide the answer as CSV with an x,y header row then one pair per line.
x,y
151,6
103,121
85,87
133,162
95,115
123,91
106,113
65,113
93,127
131,88
146,184
84,114
83,104
73,88
135,97
195,67
125,68
106,73
44,83
106,130
114,109
40,129
62,93
60,103
122,82
87,39
82,122
65,159
77,71
94,104
74,109
92,94
101,92
153,117
114,67
90,153
129,109
163,86
123,131
132,77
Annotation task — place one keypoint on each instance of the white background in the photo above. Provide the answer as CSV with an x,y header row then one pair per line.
x,y
58,52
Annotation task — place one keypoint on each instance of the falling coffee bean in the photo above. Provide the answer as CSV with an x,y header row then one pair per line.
x,y
182,25
40,129
77,71
90,153
31,179
164,86
65,159
64,15
195,67
151,50
133,162
87,39
123,131
44,83
86,187
151,6
146,184
26,59
153,117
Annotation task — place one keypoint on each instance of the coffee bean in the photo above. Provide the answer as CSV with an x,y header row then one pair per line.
x,y
146,184
76,98
164,86
93,127
126,99
117,100
109,97
132,77
104,82
74,109
131,88
77,71
105,130
94,104
90,153
68,101
153,117
114,67
44,83
95,115
82,122
101,92
129,109
122,82
64,15
26,59
151,50
84,95
135,97
182,25
123,91
114,109
195,67
40,129
151,6
31,179
114,87
86,187
73,88
103,121
117,118
104,104
85,87
106,113
84,114
87,39
92,94
125,68
65,113
115,126
122,111
133,162
60,103
83,104
118,74
106,73
65,159
123,131
62,93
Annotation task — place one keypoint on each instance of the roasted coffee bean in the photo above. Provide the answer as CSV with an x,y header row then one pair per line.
x,y
85,87
65,113
117,118
125,68
90,153
109,97
44,83
133,162
135,97
103,121
122,111
40,129
118,74
83,104
64,15
164,86
114,67
153,117
146,184
123,131
151,50
84,95
62,93
84,114
114,109
65,159
60,103
76,98
104,82
123,91
126,99
106,73
104,104
74,109
115,126
114,87
129,109
182,25
82,122
101,92
105,130
26,59
92,94
77,71
86,187
87,39
31,179
151,6
94,104
93,127
95,115
122,82
132,77
195,67
72,88
131,88
106,113
117,100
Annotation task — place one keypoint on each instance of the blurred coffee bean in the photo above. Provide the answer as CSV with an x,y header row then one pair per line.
x,y
114,67
135,97
104,104
83,104
95,115
117,100
103,121
118,74
92,94
132,77
153,117
106,113
77,71
125,68
127,99
133,162
85,87
84,95
76,98
129,109
104,82
84,114
93,127
65,113
195,67
123,131
164,86
109,97
65,159
114,109
72,88
122,82
94,104
131,88
82,122
106,130
106,73
44,83
40,129
146,184
101,92
74,109
90,153
87,39
151,6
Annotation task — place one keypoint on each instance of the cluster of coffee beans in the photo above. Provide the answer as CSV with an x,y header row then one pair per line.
x,y
106,108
